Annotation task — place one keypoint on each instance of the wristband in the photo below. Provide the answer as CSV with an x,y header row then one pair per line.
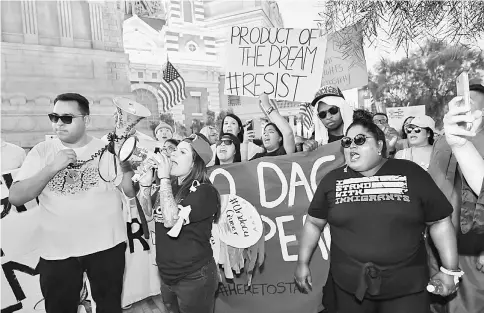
x,y
269,111
456,274
145,186
164,178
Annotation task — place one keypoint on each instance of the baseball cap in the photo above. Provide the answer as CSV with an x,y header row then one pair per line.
x,y
424,121
326,91
201,147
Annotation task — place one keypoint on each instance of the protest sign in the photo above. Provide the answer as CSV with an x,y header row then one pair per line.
x,y
396,116
344,63
285,63
279,188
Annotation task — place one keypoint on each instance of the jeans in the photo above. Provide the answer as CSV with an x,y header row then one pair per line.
x,y
195,293
61,280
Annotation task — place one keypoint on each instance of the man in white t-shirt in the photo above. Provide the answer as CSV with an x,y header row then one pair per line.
x,y
12,156
80,213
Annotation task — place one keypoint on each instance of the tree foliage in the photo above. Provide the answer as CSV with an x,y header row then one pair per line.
x,y
407,21
210,118
427,77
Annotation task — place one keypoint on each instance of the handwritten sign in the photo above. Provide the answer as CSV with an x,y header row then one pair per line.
x,y
345,64
240,225
285,63
396,116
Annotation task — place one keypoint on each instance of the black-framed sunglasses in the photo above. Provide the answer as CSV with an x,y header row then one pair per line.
x,y
226,142
168,149
382,121
66,119
358,140
410,128
332,111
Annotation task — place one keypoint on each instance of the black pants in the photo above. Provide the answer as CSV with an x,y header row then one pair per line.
x,y
195,293
61,281
414,303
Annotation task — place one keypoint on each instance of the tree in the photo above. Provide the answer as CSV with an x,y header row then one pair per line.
x,y
197,125
210,118
407,21
221,116
427,77
181,131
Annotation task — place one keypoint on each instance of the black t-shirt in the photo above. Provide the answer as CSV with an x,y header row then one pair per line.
x,y
280,151
333,138
378,219
178,257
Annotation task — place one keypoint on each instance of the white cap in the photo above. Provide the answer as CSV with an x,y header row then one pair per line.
x,y
424,121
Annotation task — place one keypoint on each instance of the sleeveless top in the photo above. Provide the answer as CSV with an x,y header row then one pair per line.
x,y
407,154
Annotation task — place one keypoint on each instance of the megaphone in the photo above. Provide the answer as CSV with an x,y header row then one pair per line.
x,y
137,151
128,114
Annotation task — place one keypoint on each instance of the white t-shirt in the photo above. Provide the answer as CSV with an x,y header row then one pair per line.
x,y
252,147
80,213
12,156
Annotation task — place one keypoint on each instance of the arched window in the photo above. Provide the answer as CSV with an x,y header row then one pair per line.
x,y
187,11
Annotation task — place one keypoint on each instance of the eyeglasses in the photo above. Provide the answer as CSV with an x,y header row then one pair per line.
x,y
332,111
226,142
359,140
410,128
66,119
380,121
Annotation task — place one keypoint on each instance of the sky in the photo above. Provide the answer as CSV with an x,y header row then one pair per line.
x,y
303,13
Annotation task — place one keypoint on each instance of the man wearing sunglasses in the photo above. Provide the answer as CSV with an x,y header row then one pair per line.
x,y
332,115
81,214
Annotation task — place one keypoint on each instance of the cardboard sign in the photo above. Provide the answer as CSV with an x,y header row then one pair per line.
x,y
285,63
344,63
396,116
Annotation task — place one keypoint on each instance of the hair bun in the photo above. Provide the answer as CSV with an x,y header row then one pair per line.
x,y
363,116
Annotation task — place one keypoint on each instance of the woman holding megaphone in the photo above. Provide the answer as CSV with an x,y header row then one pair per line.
x,y
185,207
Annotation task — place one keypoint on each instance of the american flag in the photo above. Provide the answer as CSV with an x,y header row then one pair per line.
x,y
306,111
172,87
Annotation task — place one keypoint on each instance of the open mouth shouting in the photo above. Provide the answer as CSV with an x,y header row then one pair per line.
x,y
354,156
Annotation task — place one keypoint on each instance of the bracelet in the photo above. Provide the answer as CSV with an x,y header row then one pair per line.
x,y
145,186
456,274
164,178
269,111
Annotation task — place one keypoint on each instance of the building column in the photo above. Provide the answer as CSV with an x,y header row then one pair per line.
x,y
96,17
213,98
292,123
29,21
65,23
298,131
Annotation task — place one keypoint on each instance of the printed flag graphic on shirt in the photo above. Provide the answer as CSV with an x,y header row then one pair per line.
x,y
172,87
306,111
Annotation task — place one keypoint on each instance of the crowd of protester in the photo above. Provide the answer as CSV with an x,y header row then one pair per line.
x,y
379,249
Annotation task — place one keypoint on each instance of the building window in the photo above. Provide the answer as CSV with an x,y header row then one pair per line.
x,y
198,103
140,74
188,11
234,101
154,75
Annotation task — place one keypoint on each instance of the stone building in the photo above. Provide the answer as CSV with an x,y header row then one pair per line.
x,y
191,34
52,47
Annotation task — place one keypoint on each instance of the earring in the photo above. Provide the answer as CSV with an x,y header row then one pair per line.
x,y
379,152
346,169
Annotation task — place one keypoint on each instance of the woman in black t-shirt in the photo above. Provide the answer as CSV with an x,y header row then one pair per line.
x,y
185,207
378,209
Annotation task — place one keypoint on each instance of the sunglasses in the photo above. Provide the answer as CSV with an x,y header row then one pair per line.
x,y
168,149
359,140
226,142
332,111
410,128
381,122
66,119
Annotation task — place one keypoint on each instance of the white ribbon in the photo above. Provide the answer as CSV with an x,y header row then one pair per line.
x,y
183,219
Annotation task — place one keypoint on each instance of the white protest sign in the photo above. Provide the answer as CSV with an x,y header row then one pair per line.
x,y
285,63
396,116
344,63
239,225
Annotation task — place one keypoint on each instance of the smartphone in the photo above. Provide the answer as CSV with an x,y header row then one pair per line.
x,y
250,125
462,83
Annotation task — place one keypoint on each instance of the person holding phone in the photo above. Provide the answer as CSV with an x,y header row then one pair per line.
x,y
458,169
